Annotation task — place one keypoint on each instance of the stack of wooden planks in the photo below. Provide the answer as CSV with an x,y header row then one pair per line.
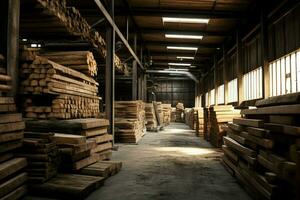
x,y
262,149
90,134
12,176
82,61
2,64
218,116
4,78
130,121
179,112
72,94
42,156
166,109
173,114
189,117
102,168
199,116
151,121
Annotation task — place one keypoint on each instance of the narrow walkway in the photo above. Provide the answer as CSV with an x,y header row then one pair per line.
x,y
169,165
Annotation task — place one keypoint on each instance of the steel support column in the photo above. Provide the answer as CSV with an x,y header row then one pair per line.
x,y
134,71
264,52
239,67
12,58
225,80
110,72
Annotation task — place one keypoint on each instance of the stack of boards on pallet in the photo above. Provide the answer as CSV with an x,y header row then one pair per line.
x,y
130,121
51,90
166,110
173,114
189,115
262,149
179,112
218,117
200,123
12,168
151,121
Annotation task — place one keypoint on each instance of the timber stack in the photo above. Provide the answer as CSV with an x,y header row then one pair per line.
x,y
71,94
218,117
173,114
151,121
200,126
189,116
179,112
130,121
166,109
262,149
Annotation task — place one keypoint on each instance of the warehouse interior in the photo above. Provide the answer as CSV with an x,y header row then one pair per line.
x,y
150,99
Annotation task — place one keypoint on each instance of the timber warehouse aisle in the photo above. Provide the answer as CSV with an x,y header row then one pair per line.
x,y
150,99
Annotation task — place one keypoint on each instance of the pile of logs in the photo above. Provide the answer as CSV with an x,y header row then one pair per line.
x,y
12,177
166,109
179,112
218,116
82,61
262,149
73,94
151,121
130,121
42,156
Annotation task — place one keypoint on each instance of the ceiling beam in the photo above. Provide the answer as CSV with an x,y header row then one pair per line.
x,y
184,32
169,12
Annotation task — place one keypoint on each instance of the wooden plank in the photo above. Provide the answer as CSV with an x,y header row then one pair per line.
x,y
11,166
249,122
6,137
10,127
293,98
103,138
12,184
235,127
285,129
60,138
16,194
283,119
235,145
85,162
6,156
11,145
102,168
274,110
266,143
102,147
7,100
8,108
230,153
9,118
258,132
94,132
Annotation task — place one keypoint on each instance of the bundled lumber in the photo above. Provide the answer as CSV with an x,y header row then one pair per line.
x,y
190,118
166,110
200,122
42,156
130,121
151,121
173,114
82,61
93,141
179,112
4,78
68,186
102,168
12,175
262,148
218,116
158,113
72,94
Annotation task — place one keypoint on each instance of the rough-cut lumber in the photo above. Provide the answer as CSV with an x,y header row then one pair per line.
x,y
280,128
16,194
10,127
12,184
274,110
60,138
249,122
243,150
279,100
102,168
9,118
9,167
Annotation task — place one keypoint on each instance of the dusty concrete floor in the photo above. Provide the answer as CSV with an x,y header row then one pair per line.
x,y
172,164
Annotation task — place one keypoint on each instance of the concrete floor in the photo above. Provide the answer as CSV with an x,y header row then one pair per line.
x,y
171,164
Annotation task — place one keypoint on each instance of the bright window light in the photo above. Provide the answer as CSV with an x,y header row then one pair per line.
x,y
183,48
196,37
185,58
180,64
186,20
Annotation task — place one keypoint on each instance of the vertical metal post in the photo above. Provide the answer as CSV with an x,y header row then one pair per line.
x,y
110,72
215,77
127,28
239,67
145,88
225,81
13,43
264,52
134,72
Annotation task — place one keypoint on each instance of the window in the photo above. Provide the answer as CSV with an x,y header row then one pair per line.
x,y
206,99
221,95
252,84
212,97
233,91
285,74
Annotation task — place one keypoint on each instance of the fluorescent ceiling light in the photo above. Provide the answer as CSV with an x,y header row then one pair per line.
x,y
175,69
183,48
185,20
185,57
180,64
193,66
196,37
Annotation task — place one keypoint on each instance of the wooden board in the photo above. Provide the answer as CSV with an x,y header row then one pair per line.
x,y
240,148
16,194
85,162
12,184
7,137
285,129
10,127
9,118
249,122
60,138
68,186
11,145
279,100
274,110
11,166
102,168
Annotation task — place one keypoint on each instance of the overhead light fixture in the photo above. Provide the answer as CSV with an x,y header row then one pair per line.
x,y
183,48
185,20
196,37
193,66
24,40
185,58
179,64
175,69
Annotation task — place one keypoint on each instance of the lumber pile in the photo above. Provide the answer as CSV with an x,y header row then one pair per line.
x,y
42,156
199,116
190,117
12,175
151,121
58,13
102,168
173,114
262,149
166,110
83,141
179,112
82,61
218,117
130,121
71,94
4,78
